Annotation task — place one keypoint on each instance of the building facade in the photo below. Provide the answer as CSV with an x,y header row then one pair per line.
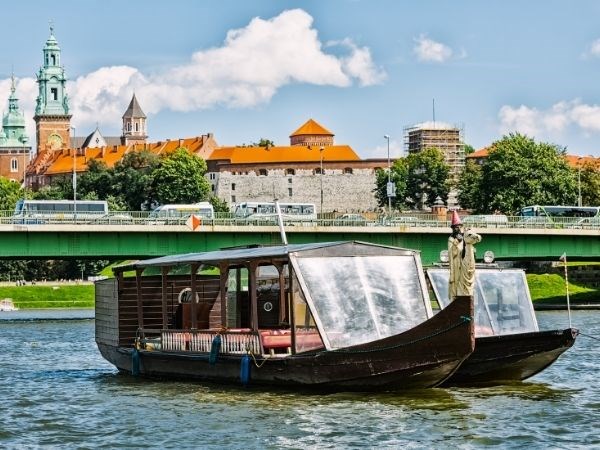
x,y
447,138
52,116
312,169
134,124
15,150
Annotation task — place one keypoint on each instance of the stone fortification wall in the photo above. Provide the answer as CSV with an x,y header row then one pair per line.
x,y
342,191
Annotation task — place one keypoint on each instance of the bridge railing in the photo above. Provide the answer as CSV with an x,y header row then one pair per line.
x,y
401,220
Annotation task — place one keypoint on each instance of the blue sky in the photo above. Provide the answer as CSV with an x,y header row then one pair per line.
x,y
245,70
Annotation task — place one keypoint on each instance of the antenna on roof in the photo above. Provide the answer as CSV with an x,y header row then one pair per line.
x,y
433,110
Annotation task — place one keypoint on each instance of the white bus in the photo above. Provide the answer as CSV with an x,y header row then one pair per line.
x,y
178,214
57,211
265,211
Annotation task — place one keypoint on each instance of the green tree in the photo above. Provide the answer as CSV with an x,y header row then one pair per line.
x,y
264,143
468,149
220,206
10,193
133,179
590,184
519,172
398,176
179,178
469,186
427,177
98,179
60,189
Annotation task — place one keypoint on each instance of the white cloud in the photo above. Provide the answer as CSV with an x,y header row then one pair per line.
x,y
248,69
593,51
428,50
556,119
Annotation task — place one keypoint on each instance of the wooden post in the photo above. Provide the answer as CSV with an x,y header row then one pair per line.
x,y
282,294
292,307
224,276
252,268
140,303
165,319
194,269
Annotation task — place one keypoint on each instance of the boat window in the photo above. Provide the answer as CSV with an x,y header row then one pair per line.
x,y
439,281
503,294
268,297
364,298
238,309
507,297
307,334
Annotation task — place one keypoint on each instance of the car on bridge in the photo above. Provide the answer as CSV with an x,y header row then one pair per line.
x,y
486,221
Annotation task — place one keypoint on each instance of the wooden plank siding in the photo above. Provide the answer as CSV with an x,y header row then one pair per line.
x,y
116,306
151,295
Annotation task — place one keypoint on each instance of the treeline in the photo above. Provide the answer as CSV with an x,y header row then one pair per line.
x,y
517,172
140,180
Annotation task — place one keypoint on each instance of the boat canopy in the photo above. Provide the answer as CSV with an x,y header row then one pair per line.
x,y
502,301
249,253
352,292
364,298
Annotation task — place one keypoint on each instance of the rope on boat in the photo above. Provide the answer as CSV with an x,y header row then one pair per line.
x,y
589,336
464,320
258,366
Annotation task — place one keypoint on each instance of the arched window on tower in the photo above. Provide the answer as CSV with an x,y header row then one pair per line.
x,y
14,165
53,59
128,126
137,126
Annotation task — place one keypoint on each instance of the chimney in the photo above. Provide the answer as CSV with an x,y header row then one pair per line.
x,y
180,143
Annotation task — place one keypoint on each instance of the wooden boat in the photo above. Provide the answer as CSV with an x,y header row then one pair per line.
x,y
350,316
508,343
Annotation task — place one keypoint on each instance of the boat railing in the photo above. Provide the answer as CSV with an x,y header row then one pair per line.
x,y
200,341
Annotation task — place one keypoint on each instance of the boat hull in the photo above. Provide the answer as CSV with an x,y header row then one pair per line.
x,y
510,358
423,356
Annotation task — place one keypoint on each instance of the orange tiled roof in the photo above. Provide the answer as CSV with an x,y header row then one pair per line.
x,y
296,153
482,153
312,128
575,161
62,161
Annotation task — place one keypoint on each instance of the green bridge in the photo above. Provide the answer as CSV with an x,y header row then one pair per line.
x,y
133,241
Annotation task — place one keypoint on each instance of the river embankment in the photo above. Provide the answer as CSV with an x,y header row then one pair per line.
x,y
49,294
548,292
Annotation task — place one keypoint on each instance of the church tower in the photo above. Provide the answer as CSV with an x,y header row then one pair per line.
x,y
14,148
52,118
134,124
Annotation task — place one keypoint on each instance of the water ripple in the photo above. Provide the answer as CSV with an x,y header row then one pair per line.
x,y
58,392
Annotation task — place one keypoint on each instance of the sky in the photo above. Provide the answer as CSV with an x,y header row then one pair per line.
x,y
246,70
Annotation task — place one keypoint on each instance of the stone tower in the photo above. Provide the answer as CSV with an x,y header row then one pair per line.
x,y
134,124
14,151
52,118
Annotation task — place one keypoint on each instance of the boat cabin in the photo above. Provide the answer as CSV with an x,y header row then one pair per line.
x,y
502,300
274,301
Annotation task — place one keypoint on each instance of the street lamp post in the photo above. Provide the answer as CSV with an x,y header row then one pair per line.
x,y
389,183
74,177
321,150
579,200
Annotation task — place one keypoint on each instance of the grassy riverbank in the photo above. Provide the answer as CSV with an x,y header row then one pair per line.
x,y
545,289
50,295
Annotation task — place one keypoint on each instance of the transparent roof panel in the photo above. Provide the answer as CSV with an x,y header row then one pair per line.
x,y
502,301
360,299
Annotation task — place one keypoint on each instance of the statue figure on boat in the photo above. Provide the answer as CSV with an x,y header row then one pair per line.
x,y
461,254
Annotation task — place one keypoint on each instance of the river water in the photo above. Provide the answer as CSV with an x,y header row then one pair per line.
x,y
57,391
